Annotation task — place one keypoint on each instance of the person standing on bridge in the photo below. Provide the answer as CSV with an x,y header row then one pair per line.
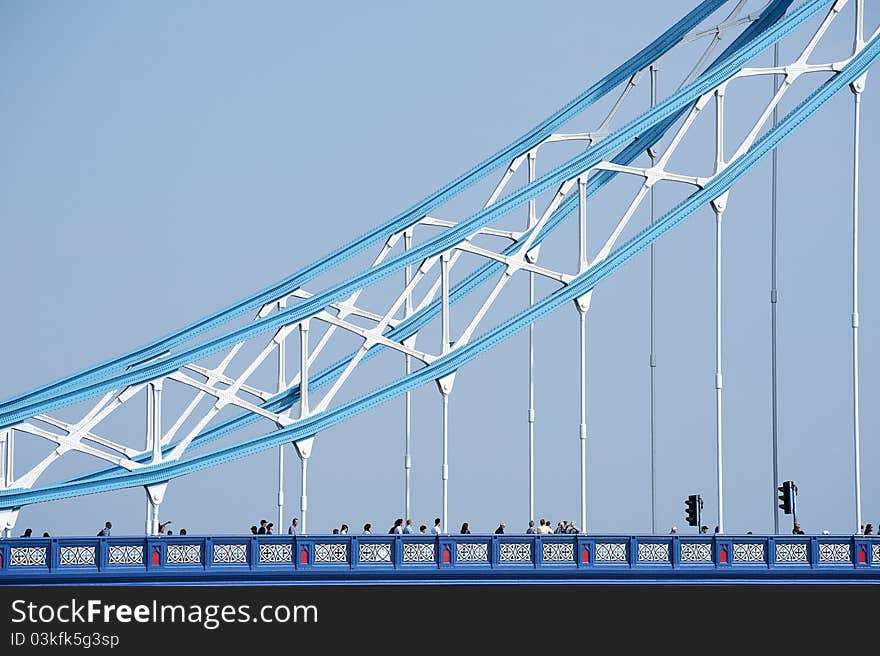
x,y
436,529
368,529
409,528
465,529
500,528
262,529
398,527
293,529
531,528
105,532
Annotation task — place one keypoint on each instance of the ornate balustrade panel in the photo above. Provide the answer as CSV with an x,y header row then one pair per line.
x,y
450,558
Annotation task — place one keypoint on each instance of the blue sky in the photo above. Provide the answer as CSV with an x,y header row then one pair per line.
x,y
163,161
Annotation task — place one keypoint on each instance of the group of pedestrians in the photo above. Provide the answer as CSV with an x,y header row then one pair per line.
x,y
265,528
29,533
546,526
408,528
401,527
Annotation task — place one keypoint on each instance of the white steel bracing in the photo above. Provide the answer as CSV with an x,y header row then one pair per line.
x,y
516,251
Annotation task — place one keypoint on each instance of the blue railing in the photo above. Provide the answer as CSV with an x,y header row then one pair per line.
x,y
450,558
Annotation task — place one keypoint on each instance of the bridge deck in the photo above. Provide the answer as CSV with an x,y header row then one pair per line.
x,y
509,558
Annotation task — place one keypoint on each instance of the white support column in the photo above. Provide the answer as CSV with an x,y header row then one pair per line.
x,y
773,299
154,439
718,442
303,499
718,205
5,479
652,361
444,472
304,451
304,369
444,390
148,523
5,436
532,221
155,391
282,384
582,305
857,88
148,438
155,528
407,454
10,458
280,487
583,425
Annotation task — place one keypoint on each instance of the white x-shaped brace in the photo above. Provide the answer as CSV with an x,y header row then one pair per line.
x,y
226,390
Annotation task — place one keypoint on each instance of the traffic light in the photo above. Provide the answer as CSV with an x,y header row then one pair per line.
x,y
789,493
693,505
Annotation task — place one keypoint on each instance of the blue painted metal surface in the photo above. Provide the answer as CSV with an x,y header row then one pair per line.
x,y
397,559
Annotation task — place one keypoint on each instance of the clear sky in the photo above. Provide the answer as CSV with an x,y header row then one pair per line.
x,y
163,160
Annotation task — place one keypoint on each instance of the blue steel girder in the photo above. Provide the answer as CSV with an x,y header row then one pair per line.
x,y
664,114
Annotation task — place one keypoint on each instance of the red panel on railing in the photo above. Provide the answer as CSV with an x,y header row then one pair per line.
x,y
304,556
863,557
723,555
1,558
585,555
447,557
155,556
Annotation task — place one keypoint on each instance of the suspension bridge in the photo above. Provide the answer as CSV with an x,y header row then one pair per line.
x,y
266,372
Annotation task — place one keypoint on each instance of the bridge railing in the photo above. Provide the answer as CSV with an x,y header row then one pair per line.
x,y
429,555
